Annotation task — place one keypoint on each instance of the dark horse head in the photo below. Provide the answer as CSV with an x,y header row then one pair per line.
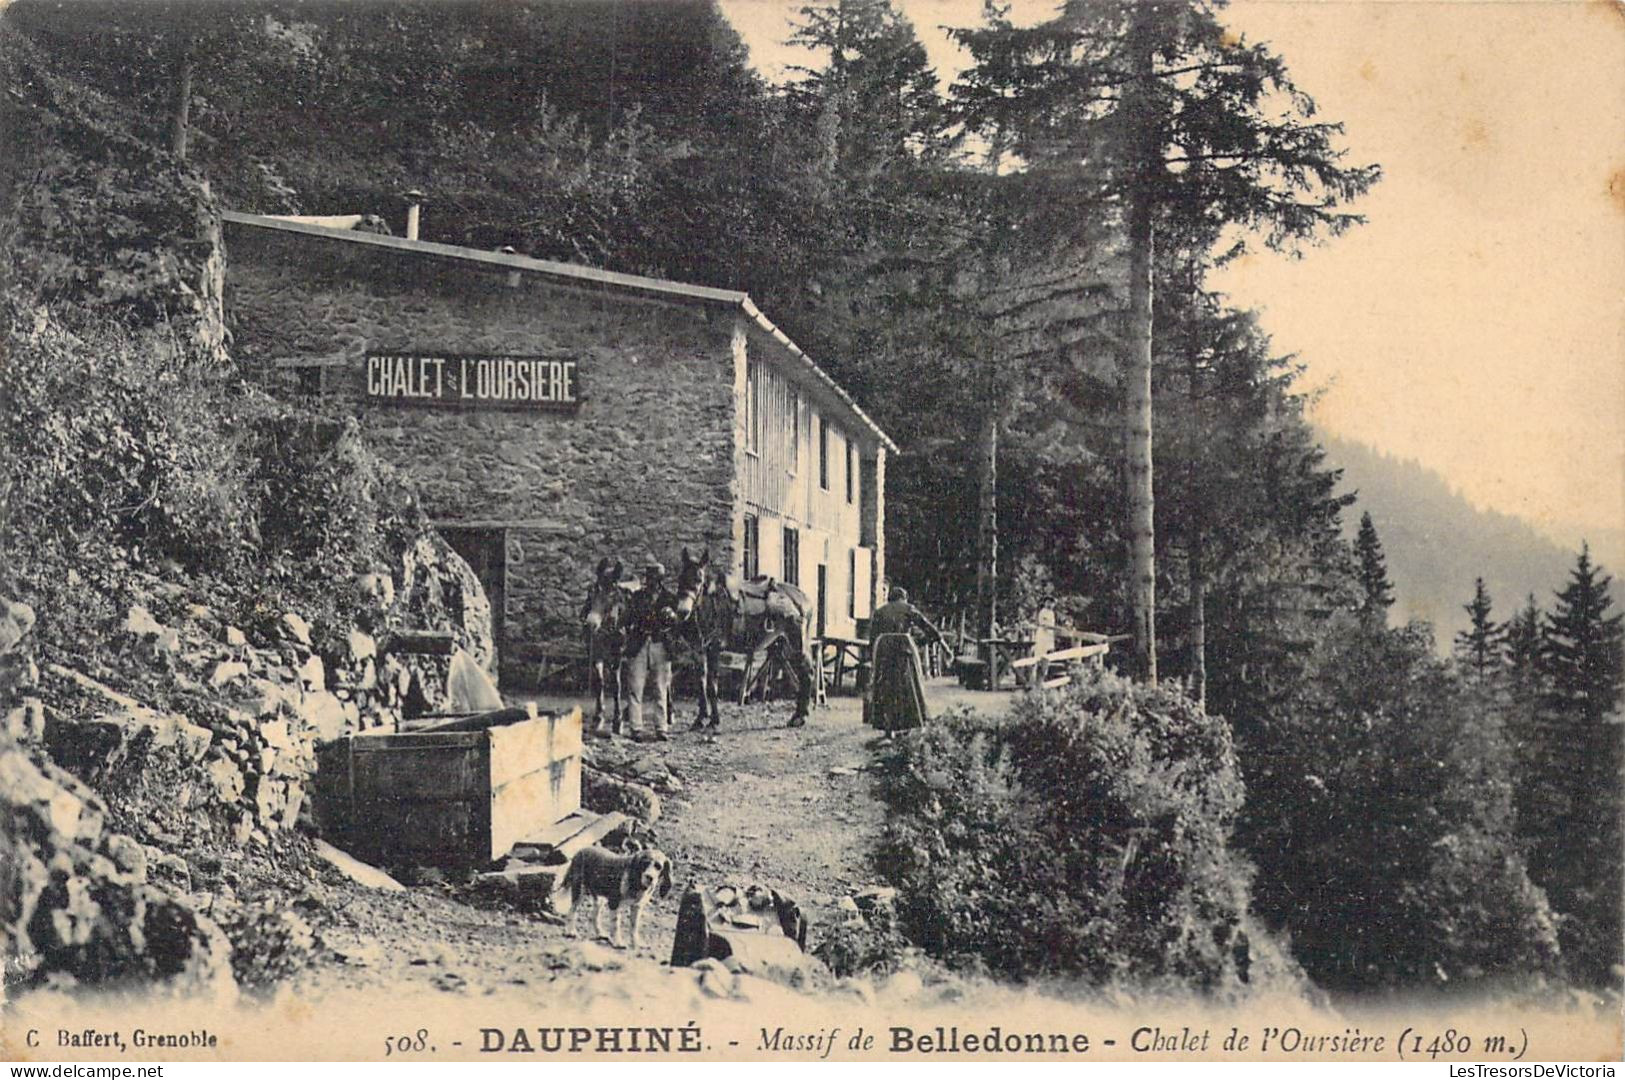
x,y
695,581
605,598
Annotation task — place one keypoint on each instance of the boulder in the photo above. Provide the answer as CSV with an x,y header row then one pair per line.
x,y
227,671
603,793
226,778
16,620
296,629
361,647
324,714
313,675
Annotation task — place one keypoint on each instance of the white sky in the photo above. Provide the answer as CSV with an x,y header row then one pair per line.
x,y
1477,322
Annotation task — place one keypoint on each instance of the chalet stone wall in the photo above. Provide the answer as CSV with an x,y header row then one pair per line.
x,y
644,466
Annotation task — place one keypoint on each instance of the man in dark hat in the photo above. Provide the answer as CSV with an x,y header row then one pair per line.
x,y
895,700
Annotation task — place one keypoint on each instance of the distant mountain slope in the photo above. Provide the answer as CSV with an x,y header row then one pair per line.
x,y
1437,542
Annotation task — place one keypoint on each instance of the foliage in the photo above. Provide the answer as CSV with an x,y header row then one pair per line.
x,y
1376,591
1479,647
1575,756
1380,815
1086,835
125,450
99,218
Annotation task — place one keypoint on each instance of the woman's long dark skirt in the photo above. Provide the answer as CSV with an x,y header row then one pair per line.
x,y
895,700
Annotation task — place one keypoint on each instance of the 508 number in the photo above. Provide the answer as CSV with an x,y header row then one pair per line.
x,y
416,1043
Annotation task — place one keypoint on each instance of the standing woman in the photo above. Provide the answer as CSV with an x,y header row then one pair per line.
x,y
895,700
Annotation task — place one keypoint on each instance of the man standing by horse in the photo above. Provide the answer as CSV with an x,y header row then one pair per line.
x,y
650,621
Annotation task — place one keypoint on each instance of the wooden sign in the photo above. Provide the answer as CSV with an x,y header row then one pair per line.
x,y
534,382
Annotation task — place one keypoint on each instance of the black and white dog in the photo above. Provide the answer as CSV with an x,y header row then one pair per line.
x,y
613,880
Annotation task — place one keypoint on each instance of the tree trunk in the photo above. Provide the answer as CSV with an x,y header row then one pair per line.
x,y
987,531
183,109
1137,370
1196,518
1198,587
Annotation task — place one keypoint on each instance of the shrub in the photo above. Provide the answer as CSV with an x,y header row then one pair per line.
x,y
1086,834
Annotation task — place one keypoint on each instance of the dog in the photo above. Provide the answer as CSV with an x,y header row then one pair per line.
x,y
612,880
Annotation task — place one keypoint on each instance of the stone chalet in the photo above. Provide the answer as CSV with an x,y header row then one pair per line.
x,y
552,414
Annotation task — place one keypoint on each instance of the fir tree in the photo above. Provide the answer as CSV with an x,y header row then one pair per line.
x,y
1480,646
1376,591
1575,830
1583,641
1153,110
1522,641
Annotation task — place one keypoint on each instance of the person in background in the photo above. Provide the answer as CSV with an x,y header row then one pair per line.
x,y
895,699
1044,635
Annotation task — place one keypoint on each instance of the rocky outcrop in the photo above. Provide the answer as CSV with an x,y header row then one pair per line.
x,y
79,900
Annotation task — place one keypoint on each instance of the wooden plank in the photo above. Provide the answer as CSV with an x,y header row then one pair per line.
x,y
1077,652
434,773
544,847
417,740
1057,682
518,749
537,798
475,722
550,836
356,870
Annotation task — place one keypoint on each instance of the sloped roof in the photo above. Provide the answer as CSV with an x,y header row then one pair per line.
x,y
576,275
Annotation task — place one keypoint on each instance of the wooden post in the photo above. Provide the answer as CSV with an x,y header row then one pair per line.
x,y
987,567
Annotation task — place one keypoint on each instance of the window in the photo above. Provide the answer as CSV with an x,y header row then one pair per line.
x,y
823,453
851,472
753,407
753,546
792,556
852,583
792,406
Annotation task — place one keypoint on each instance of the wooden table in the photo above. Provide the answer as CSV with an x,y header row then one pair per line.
x,y
841,652
999,654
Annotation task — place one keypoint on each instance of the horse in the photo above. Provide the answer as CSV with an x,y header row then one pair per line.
x,y
649,623
707,612
781,609
603,618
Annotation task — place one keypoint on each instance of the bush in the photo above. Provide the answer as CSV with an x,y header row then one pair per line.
x,y
1086,834
124,450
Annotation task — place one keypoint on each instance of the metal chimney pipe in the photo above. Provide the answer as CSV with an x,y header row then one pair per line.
x,y
414,205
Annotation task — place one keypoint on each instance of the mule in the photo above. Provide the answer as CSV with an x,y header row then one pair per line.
x,y
603,619
707,617
781,610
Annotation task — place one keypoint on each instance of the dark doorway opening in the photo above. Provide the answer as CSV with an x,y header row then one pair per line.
x,y
486,551
823,596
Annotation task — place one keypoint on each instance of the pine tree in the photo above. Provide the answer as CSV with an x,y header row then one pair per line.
x,y
1523,642
1576,833
1152,108
1376,591
1583,641
1481,645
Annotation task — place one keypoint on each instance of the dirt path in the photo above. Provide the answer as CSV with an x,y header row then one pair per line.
x,y
795,810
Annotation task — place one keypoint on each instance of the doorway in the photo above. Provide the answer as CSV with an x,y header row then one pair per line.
x,y
486,552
